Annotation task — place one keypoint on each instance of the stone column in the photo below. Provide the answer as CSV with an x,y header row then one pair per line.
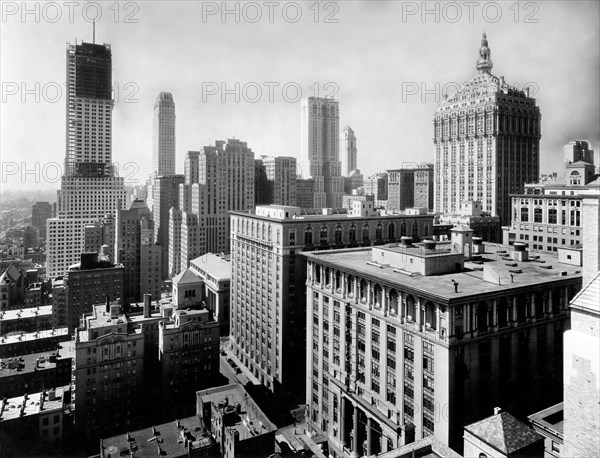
x,y
355,433
385,300
369,439
343,414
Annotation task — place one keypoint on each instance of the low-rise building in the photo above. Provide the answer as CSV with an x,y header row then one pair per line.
x,y
550,424
215,272
181,438
235,422
502,435
32,342
33,423
26,320
188,352
36,372
484,226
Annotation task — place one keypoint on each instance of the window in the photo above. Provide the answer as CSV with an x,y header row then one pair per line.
x,y
292,237
323,235
308,236
352,233
365,233
338,234
524,214
537,215
552,216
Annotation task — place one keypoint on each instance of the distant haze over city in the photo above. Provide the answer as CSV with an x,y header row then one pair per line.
x,y
386,62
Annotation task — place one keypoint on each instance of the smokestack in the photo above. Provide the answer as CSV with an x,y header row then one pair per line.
x,y
147,298
107,309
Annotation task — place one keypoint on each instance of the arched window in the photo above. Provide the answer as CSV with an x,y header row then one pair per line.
x,y
318,274
575,178
415,231
403,229
393,306
365,233
352,233
391,232
411,309
263,231
308,235
350,286
338,280
521,308
338,234
327,276
323,235
482,312
363,291
378,232
502,312
252,233
430,319
378,296
539,305
270,233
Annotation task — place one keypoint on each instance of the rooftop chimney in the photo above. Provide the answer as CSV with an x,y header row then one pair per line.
x,y
147,298
107,309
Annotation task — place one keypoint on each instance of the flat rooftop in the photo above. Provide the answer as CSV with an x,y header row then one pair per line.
x,y
29,363
32,404
30,312
551,419
250,421
544,270
31,336
170,437
214,265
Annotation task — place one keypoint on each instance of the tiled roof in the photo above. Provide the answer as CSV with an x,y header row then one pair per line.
x,y
504,432
186,277
589,297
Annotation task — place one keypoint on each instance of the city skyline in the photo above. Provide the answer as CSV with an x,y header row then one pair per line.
x,y
562,67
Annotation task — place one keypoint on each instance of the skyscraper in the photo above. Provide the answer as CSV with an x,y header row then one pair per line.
x,y
319,155
163,135
218,179
90,188
135,249
348,145
275,180
487,138
163,194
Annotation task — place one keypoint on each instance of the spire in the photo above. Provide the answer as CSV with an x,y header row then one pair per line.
x,y
484,63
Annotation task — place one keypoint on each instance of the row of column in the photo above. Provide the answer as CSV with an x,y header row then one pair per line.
x,y
387,305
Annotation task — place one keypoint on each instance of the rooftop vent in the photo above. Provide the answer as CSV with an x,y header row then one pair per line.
x,y
429,244
406,241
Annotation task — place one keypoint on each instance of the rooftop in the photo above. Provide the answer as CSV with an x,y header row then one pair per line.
x,y
429,447
186,277
35,362
31,336
32,404
504,432
539,270
587,298
250,421
551,419
30,312
168,439
218,267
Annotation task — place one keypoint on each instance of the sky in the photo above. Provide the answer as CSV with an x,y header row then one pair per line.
x,y
387,62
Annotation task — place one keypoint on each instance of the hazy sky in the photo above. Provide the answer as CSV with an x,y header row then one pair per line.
x,y
385,62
